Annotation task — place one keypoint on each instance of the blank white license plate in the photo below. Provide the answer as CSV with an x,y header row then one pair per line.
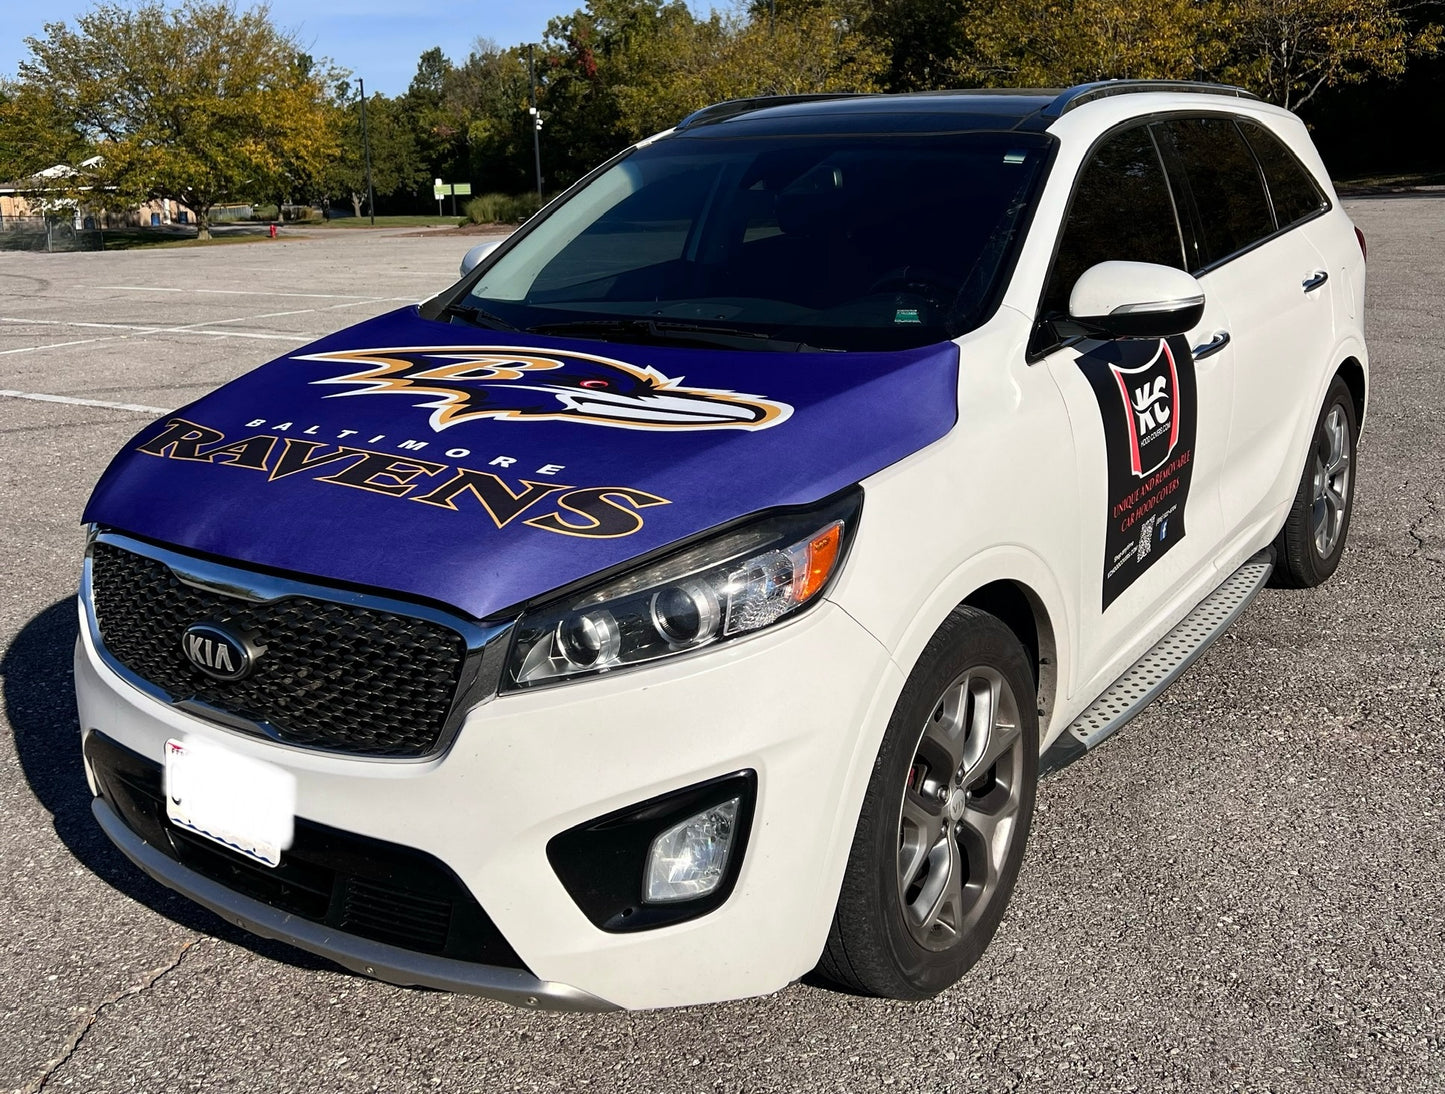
x,y
245,804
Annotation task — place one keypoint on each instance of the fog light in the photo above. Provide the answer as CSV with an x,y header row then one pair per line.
x,y
690,859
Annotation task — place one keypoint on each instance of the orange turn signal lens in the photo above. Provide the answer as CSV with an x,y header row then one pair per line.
x,y
821,557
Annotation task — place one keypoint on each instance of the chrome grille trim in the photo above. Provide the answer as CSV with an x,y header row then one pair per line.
x,y
485,645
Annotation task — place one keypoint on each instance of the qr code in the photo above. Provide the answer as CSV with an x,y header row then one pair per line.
x,y
1146,540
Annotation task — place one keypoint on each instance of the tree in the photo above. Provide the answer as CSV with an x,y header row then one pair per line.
x,y
34,133
1286,50
620,70
490,93
588,62
197,104
396,164
657,69
1057,43
441,136
922,38
1289,50
801,48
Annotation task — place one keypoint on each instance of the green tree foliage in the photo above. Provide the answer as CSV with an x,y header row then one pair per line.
x,y
200,104
35,132
922,39
1289,50
396,163
798,49
490,90
615,71
1285,50
597,92
1057,43
619,70
440,131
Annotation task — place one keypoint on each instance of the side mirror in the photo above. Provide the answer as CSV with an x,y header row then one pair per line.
x,y
476,254
1136,300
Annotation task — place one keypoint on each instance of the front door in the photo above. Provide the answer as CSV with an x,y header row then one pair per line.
x,y
1150,422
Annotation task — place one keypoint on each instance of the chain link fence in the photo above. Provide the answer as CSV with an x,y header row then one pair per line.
x,y
50,234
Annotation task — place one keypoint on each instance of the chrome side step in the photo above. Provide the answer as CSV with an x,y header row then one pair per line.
x,y
1147,678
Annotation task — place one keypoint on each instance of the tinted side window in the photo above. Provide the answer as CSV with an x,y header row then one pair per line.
x,y
1228,192
1121,210
1296,194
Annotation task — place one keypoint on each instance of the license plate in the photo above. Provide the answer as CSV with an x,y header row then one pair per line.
x,y
245,804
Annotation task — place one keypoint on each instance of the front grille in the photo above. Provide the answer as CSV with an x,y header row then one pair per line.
x,y
378,890
389,914
333,675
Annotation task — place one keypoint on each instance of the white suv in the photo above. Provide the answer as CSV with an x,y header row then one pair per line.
x,y
691,595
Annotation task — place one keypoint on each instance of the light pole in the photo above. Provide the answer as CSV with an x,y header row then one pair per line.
x,y
366,149
536,121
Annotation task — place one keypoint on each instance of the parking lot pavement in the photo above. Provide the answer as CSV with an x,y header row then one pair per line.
x,y
1242,891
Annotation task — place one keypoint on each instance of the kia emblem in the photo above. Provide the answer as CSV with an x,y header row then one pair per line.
x,y
218,651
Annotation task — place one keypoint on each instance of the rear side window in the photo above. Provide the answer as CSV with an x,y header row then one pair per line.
x,y
1296,194
1121,210
1229,194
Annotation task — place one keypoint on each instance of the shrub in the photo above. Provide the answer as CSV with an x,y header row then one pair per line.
x,y
501,208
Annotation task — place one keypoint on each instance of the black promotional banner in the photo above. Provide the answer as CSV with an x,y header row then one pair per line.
x,y
1147,401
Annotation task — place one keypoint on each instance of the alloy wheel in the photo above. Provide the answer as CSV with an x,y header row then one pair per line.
x,y
1331,492
960,807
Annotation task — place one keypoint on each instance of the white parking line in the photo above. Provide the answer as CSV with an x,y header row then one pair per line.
x,y
133,328
70,399
74,323
242,292
58,345
298,311
298,339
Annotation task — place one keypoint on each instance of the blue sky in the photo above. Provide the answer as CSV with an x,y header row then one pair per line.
x,y
379,40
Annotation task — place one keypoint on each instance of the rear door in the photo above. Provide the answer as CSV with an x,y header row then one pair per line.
x,y
1272,282
1150,425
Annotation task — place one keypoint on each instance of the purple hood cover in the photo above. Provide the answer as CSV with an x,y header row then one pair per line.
x,y
481,469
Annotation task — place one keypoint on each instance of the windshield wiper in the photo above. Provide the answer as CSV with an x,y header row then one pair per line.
x,y
666,330
478,317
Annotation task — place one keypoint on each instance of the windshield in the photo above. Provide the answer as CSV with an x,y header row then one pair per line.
x,y
835,241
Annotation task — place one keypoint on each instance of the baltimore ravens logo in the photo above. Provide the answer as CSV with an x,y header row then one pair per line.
x,y
462,383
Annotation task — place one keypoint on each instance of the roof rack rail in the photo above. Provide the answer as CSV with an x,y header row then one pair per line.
x,y
1085,93
733,107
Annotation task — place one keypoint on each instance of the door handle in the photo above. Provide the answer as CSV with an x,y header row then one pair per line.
x,y
1213,346
1319,278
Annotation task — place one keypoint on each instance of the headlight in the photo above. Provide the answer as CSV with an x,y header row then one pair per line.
x,y
729,585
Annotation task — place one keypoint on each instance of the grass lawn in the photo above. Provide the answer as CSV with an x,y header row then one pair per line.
x,y
1393,182
384,222
129,239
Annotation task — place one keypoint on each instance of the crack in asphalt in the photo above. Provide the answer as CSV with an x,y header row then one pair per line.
x,y
94,1011
1421,548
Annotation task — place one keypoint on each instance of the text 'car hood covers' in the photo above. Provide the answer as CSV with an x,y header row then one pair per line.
x,y
481,469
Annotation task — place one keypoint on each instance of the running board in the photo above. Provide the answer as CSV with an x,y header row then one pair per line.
x,y
1147,678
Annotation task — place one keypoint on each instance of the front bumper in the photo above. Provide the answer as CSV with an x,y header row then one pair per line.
x,y
361,955
803,706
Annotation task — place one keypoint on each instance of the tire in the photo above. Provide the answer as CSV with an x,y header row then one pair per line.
x,y
1310,544
924,890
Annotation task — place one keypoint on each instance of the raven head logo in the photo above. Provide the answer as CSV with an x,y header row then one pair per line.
x,y
460,383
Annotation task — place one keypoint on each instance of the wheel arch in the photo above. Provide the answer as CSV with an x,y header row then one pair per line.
x,y
1352,372
1023,612
1011,583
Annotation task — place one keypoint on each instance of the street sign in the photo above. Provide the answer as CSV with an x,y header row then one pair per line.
x,y
462,189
